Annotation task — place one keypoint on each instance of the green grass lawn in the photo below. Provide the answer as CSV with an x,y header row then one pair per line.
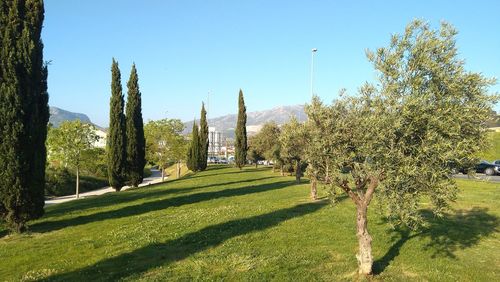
x,y
492,152
253,225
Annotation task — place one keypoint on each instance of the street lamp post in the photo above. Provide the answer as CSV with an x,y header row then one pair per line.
x,y
313,51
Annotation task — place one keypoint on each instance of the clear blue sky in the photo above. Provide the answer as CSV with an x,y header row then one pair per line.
x,y
183,49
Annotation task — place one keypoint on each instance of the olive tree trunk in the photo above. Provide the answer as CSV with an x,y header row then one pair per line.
x,y
365,259
314,190
162,174
178,169
298,172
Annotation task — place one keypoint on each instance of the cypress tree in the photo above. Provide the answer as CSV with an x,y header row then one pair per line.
x,y
135,132
202,163
24,113
240,145
194,150
116,133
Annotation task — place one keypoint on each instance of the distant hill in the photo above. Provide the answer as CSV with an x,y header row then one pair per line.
x,y
255,120
57,116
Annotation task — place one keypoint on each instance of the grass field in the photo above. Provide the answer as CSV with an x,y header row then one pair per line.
x,y
252,225
492,152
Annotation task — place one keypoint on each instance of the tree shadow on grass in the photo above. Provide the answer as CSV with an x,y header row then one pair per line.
x,y
132,195
152,206
155,255
233,171
460,230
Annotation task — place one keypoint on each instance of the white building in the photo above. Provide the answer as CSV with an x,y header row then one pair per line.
x,y
215,142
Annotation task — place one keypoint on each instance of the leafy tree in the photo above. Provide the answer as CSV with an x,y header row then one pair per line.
x,y
254,155
265,141
318,148
203,139
293,141
24,113
69,142
194,150
135,132
398,140
116,139
164,143
240,145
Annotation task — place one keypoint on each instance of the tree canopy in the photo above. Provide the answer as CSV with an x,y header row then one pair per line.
x,y
69,144
399,139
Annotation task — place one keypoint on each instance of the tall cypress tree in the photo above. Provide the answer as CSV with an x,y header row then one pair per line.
x,y
202,163
240,144
116,133
23,112
194,150
135,132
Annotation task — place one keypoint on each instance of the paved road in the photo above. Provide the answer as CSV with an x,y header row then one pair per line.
x,y
154,178
495,178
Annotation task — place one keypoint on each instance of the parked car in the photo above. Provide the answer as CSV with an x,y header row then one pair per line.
x,y
213,160
487,168
223,161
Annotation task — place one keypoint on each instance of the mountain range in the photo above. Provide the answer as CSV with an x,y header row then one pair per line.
x,y
226,124
57,116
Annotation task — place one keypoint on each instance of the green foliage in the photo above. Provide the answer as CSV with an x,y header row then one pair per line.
x,y
240,144
253,155
264,142
136,143
164,142
293,144
203,134
193,154
60,181
71,142
24,112
116,139
399,139
95,163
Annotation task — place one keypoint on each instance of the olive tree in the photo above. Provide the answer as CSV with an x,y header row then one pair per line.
x,y
292,140
399,139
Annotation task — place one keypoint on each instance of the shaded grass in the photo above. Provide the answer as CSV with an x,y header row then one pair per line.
x,y
227,224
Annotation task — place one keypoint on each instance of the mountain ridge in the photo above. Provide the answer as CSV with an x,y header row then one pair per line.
x,y
255,120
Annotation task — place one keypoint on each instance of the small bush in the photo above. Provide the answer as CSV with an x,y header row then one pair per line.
x,y
62,182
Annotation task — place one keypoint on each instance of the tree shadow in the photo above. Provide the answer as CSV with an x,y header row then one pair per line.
x,y
132,195
233,171
460,230
155,255
47,226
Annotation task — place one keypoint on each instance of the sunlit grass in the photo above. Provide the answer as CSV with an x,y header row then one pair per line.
x,y
227,224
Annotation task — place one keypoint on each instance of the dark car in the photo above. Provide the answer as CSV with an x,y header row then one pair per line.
x,y
487,168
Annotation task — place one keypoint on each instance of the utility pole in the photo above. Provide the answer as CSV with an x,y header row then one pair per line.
x,y
313,51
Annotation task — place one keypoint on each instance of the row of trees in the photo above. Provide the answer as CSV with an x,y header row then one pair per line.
x,y
24,113
398,138
197,154
125,140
